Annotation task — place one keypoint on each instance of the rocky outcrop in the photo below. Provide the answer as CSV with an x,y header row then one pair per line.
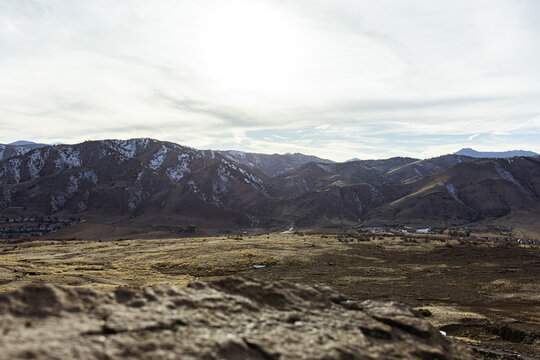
x,y
233,318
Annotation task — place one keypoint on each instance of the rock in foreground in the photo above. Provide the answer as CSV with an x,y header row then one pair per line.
x,y
233,318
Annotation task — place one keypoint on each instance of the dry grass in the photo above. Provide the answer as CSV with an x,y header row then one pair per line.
x,y
453,279
142,263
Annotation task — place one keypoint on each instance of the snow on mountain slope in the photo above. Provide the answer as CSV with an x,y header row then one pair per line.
x,y
146,178
271,164
17,148
125,177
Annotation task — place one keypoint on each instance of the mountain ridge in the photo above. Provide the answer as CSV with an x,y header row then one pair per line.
x,y
494,154
294,159
151,184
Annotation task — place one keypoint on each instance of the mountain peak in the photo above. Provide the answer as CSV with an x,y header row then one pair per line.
x,y
493,154
22,142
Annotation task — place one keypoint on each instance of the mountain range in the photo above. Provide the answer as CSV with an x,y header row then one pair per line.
x,y
17,148
140,185
494,154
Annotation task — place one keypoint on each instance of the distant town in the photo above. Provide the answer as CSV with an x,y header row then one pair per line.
x,y
504,233
32,226
15,227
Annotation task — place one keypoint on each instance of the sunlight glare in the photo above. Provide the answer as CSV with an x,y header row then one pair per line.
x,y
248,45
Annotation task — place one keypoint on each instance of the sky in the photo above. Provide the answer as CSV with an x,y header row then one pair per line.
x,y
339,79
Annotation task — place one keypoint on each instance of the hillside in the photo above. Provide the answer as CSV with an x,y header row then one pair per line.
x,y
145,184
467,192
131,179
271,165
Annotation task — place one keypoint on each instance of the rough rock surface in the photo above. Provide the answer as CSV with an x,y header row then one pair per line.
x,y
233,318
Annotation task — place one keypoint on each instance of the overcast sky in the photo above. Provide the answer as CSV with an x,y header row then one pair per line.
x,y
336,78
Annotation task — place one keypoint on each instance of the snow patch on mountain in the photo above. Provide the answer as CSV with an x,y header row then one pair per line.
x,y
509,177
248,178
128,148
36,162
143,143
326,168
195,190
136,193
21,150
177,172
221,184
89,175
193,186
304,185
83,204
359,204
376,195
223,175
453,191
14,169
68,158
135,198
362,166
230,165
159,158
73,186
237,156
57,201
140,175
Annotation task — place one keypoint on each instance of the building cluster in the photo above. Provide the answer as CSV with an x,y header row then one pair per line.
x,y
14,227
513,240
398,230
462,233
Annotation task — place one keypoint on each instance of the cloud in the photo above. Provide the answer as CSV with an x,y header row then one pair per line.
x,y
322,127
340,79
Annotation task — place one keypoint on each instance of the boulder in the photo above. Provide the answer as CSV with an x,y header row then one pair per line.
x,y
232,318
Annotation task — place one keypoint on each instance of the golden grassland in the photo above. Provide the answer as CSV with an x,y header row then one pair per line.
x,y
141,263
462,284
358,265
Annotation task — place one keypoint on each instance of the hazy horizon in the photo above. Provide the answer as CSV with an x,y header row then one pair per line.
x,y
339,80
288,152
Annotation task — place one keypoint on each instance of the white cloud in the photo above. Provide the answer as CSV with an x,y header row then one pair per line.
x,y
209,73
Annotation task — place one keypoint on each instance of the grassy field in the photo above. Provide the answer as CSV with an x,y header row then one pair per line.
x,y
484,293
